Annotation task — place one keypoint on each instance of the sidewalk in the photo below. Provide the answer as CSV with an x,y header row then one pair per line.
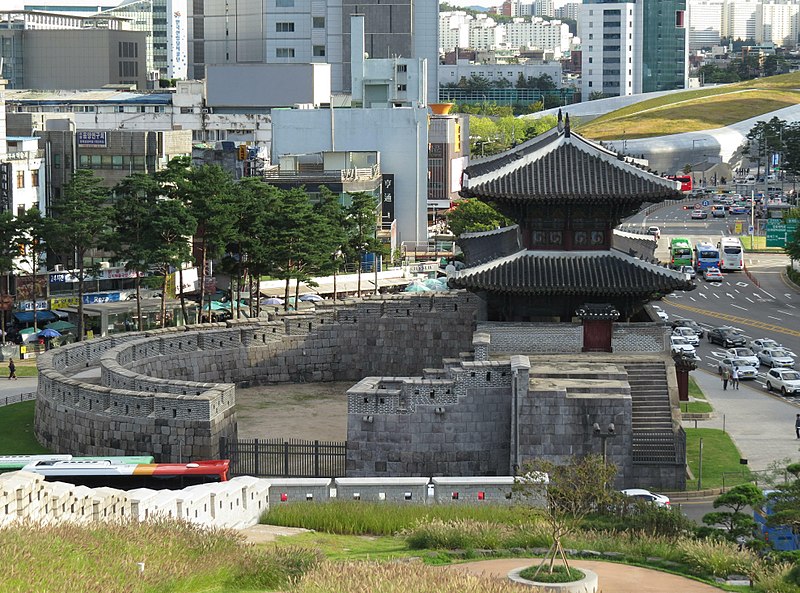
x,y
761,425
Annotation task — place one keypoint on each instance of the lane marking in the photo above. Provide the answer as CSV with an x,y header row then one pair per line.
x,y
738,307
786,313
761,325
749,299
775,318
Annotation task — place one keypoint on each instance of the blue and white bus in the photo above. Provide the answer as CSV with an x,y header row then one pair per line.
x,y
731,254
705,256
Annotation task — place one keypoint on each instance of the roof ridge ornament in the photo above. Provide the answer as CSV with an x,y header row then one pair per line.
x,y
560,121
566,126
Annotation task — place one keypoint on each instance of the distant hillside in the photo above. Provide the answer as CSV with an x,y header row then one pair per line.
x,y
475,8
697,109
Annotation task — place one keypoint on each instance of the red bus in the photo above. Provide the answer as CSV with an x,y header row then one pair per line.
x,y
685,181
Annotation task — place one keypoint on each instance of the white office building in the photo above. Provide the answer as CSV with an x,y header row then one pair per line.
x,y
537,33
777,23
495,72
705,23
453,30
611,59
568,11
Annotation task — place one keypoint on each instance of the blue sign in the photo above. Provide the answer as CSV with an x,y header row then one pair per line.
x,y
101,297
705,202
96,139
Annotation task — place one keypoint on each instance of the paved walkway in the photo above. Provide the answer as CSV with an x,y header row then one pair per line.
x,y
761,425
619,578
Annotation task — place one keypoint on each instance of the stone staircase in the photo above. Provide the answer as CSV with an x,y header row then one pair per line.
x,y
653,435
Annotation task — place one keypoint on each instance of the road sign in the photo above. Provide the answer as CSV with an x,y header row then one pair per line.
x,y
705,202
750,230
778,231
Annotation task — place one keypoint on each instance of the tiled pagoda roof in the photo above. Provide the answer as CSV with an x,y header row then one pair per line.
x,y
561,166
560,273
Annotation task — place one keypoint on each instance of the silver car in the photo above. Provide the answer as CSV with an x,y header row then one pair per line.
x,y
745,354
745,370
687,334
776,357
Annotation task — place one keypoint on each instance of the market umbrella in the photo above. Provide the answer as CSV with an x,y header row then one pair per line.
x,y
60,325
49,333
311,298
272,301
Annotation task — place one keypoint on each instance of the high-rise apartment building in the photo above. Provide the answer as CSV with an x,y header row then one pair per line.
x,y
704,19
778,22
535,32
301,31
611,44
739,19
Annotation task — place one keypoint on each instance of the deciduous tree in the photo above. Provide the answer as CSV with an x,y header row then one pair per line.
x,y
471,216
32,235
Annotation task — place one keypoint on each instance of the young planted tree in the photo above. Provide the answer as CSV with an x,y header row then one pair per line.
x,y
130,233
8,252
735,523
569,493
172,225
207,193
32,229
362,220
77,221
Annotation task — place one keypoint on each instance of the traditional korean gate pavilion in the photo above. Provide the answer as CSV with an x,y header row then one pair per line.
x,y
566,194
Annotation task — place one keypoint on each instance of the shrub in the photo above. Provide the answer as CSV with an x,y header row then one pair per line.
x,y
283,565
560,574
717,557
461,534
775,577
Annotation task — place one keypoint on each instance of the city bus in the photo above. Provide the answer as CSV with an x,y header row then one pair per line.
x,y
680,252
17,462
731,254
705,256
684,180
779,537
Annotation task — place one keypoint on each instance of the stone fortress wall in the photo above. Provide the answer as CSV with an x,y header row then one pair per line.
x,y
171,393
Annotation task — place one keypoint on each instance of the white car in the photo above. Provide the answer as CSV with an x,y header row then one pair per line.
x,y
687,334
660,312
761,343
786,381
775,357
680,345
659,500
655,231
745,370
743,354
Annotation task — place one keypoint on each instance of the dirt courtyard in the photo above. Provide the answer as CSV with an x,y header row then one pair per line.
x,y
311,411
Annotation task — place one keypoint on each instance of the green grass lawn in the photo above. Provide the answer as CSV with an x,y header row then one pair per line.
x,y
758,243
694,390
16,430
720,456
696,407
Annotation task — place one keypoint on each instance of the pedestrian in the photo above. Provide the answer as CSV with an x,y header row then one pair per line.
x,y
726,375
12,369
797,426
734,377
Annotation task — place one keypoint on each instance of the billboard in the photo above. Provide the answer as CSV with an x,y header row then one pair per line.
x,y
91,139
387,199
177,39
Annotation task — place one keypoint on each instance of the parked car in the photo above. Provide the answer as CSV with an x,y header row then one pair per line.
x,y
775,357
784,380
680,346
687,334
744,368
760,344
655,231
699,214
727,337
660,312
659,500
689,271
744,354
712,275
690,323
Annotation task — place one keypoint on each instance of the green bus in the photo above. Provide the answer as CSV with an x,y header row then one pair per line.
x,y
680,252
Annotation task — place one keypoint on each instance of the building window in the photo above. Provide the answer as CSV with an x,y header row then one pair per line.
x,y
284,52
402,68
20,179
318,51
401,88
284,27
318,22
284,3
590,60
56,161
35,178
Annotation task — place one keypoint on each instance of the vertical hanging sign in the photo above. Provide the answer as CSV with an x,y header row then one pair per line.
x,y
177,39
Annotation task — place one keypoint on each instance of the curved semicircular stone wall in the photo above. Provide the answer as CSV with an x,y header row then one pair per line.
x,y
171,392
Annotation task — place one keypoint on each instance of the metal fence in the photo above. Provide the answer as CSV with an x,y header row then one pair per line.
x,y
277,458
7,400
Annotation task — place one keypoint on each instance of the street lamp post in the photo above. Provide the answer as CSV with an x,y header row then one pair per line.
x,y
609,433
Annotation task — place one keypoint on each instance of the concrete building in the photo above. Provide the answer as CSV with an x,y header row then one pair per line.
x,y
68,59
569,10
448,156
24,169
453,30
665,50
496,72
292,32
484,34
535,32
739,19
612,45
705,23
777,23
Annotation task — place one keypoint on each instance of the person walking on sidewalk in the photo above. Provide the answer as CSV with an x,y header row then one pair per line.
x,y
12,369
726,375
797,426
734,377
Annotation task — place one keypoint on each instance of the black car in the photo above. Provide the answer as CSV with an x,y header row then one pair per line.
x,y
727,337
690,323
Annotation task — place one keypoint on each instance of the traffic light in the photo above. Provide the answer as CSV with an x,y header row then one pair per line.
x,y
243,152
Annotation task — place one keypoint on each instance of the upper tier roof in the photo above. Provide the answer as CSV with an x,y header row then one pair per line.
x,y
560,166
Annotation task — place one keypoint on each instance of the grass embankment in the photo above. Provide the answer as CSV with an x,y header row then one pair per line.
x,y
696,110
16,430
25,368
720,456
696,407
758,244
